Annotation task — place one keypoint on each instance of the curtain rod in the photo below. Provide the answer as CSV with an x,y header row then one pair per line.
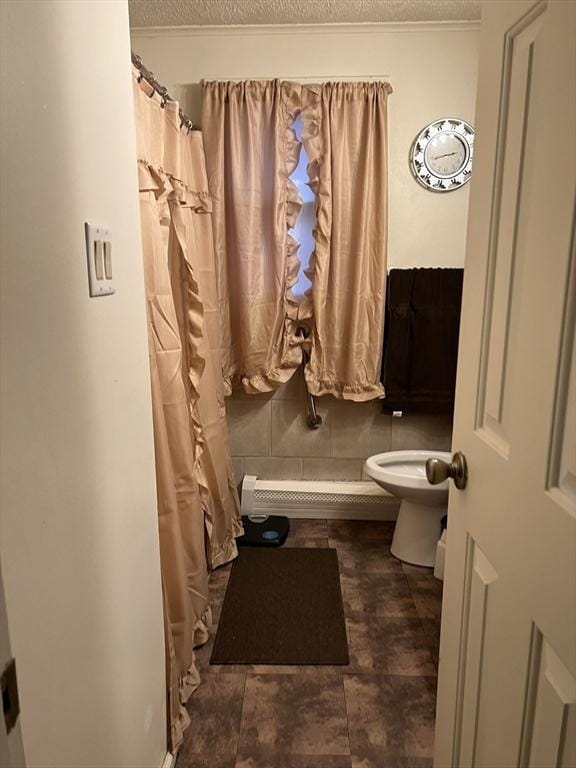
x,y
297,79
145,74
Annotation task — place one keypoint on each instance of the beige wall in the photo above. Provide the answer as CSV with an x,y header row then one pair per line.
x,y
432,69
79,542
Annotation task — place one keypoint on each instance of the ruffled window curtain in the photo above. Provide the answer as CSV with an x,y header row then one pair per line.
x,y
198,506
251,150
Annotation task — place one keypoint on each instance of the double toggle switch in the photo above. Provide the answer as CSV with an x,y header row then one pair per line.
x,y
99,252
103,259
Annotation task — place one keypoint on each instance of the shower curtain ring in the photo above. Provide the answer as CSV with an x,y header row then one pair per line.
x,y
163,96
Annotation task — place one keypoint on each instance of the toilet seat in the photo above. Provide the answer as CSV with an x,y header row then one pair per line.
x,y
407,468
403,473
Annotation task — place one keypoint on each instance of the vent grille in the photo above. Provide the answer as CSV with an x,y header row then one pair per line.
x,y
323,498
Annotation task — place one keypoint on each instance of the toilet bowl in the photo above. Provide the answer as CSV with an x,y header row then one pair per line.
x,y
403,473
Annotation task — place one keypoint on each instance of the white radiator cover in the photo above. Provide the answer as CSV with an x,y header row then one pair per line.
x,y
324,499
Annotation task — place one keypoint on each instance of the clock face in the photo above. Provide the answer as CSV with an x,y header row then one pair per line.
x,y
441,156
446,154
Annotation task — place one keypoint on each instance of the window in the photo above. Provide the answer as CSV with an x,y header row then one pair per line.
x,y
302,231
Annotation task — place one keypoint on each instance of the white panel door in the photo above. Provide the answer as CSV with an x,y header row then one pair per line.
x,y
507,677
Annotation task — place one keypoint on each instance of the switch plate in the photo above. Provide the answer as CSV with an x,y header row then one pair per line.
x,y
99,255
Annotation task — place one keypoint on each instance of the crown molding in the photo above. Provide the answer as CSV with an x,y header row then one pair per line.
x,y
259,30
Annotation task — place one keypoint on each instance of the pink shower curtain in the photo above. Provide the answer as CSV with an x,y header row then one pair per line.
x,y
198,510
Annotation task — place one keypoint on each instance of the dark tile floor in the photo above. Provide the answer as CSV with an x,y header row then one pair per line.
x,y
377,712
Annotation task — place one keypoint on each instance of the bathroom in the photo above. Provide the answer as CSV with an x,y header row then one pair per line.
x,y
90,579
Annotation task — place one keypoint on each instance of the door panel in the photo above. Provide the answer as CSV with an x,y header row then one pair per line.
x,y
514,104
508,645
549,727
562,462
479,583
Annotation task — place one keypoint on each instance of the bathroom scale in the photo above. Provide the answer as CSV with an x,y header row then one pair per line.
x,y
264,531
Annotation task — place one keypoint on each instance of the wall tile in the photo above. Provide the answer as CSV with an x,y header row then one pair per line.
x,y
274,468
424,432
291,436
249,426
238,467
331,469
359,430
293,389
274,425
239,394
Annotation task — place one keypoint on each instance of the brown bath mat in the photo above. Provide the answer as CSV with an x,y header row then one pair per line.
x,y
282,606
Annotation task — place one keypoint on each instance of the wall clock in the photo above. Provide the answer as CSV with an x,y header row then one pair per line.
x,y
441,155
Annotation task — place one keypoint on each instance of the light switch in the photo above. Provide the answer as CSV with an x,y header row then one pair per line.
x,y
108,259
99,250
98,265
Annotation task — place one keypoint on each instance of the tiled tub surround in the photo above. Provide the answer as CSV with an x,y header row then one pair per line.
x,y
269,436
377,712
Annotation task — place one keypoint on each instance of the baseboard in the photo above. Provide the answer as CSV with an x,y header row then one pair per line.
x,y
169,761
314,499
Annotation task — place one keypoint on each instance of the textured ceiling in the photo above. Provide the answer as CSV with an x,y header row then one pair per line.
x,y
164,13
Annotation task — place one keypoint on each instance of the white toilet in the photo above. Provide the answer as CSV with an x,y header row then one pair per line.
x,y
417,531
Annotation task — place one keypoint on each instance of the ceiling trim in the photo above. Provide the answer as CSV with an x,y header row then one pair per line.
x,y
247,30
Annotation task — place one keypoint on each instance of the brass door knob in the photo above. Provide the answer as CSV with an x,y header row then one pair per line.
x,y
437,471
